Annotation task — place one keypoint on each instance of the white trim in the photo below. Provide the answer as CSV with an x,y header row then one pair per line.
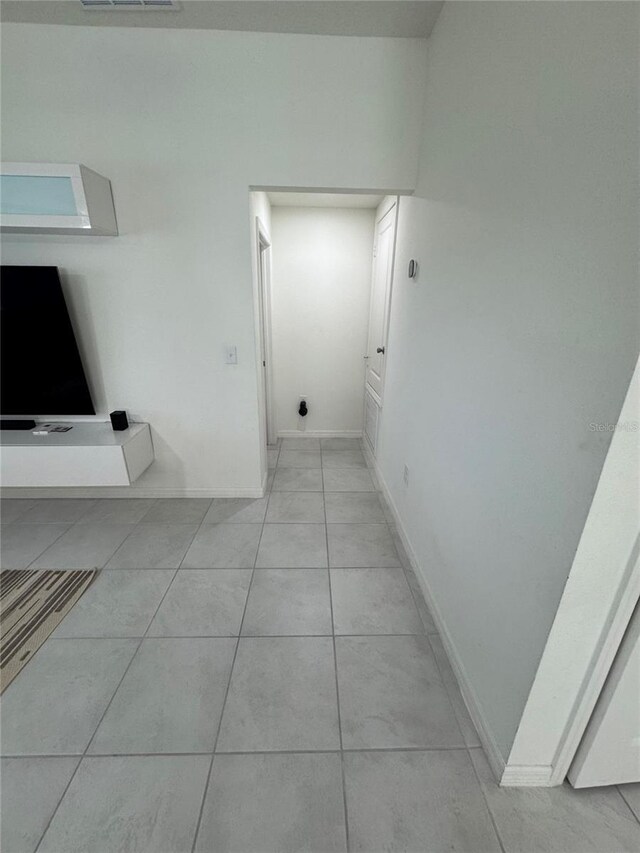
x,y
523,776
494,756
131,492
263,270
627,599
319,433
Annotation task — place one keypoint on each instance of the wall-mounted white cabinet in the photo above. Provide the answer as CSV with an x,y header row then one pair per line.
x,y
55,198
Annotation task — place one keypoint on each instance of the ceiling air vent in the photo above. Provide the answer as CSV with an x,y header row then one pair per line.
x,y
132,5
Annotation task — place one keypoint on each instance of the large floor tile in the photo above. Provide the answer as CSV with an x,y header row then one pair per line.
x,y
417,801
20,544
202,603
236,511
12,509
631,793
340,444
137,804
343,459
154,546
282,696
297,480
31,791
361,545
223,546
348,480
353,508
84,546
288,601
58,510
117,604
118,510
170,699
558,820
178,511
373,601
273,804
299,459
302,546
56,702
295,508
467,728
392,695
301,443
272,457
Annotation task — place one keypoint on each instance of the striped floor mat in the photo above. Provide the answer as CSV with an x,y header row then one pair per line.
x,y
32,604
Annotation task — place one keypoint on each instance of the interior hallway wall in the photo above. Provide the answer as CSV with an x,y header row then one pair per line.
x,y
321,289
521,332
183,123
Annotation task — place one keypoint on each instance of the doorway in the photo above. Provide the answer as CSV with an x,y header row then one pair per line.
x,y
324,263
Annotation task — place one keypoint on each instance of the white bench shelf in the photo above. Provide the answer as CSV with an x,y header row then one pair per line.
x,y
90,454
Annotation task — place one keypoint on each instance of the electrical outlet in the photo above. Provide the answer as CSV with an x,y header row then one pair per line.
x,y
231,355
405,476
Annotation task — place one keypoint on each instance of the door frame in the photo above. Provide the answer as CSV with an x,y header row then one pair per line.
x,y
263,269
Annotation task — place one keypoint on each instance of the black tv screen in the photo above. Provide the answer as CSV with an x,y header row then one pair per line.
x,y
41,370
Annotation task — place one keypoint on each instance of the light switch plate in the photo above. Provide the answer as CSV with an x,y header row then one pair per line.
x,y
231,355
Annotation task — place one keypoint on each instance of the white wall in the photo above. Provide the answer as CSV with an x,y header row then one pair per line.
x,y
183,123
321,288
522,328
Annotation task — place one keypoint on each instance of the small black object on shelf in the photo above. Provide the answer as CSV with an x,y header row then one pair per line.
x,y
119,420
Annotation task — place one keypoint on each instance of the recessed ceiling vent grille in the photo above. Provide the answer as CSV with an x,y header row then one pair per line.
x,y
132,5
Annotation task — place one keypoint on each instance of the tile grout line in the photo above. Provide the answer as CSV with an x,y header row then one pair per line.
x,y
84,753
347,751
91,739
184,556
28,566
335,665
628,805
486,801
234,636
205,790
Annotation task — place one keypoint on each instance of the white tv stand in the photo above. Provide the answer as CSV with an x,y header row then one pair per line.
x,y
89,454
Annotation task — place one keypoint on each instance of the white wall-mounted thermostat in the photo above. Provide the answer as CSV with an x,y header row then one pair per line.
x,y
413,269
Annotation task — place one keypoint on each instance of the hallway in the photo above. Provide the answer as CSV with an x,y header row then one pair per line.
x,y
257,675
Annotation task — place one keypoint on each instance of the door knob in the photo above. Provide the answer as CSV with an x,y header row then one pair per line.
x,y
380,349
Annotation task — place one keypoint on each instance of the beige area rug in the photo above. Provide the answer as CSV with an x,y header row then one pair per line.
x,y
32,604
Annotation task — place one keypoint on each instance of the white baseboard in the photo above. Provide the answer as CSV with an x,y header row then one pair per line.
x,y
527,776
493,753
319,433
132,492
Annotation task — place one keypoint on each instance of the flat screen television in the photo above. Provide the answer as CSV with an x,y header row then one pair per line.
x,y
41,370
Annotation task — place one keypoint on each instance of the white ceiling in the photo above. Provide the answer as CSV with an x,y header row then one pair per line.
x,y
291,199
397,18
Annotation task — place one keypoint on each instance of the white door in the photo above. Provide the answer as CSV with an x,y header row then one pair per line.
x,y
609,753
380,300
383,255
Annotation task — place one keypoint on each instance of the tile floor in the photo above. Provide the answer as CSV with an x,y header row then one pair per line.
x,y
257,675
